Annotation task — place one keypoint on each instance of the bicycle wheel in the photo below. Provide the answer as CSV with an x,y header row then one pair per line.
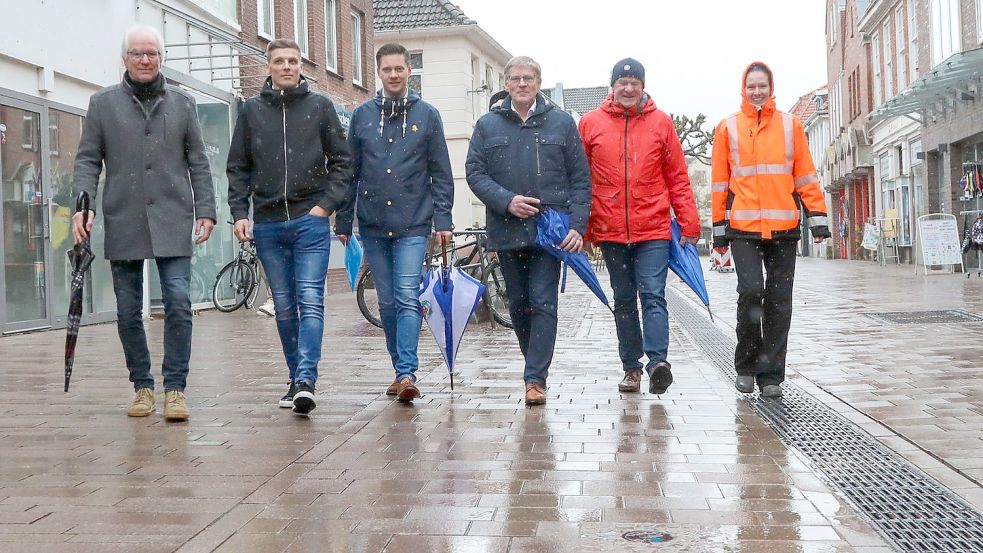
x,y
368,301
234,284
495,298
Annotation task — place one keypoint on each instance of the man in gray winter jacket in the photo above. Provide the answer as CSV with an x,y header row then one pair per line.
x,y
158,191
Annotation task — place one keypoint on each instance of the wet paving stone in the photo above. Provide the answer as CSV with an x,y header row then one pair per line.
x,y
469,470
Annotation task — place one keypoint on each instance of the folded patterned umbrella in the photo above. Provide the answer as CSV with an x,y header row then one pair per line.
x,y
448,298
81,257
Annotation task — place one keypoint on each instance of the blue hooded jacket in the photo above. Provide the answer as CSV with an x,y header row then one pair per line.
x,y
542,157
403,185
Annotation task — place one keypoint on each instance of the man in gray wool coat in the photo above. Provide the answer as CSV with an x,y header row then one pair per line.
x,y
158,191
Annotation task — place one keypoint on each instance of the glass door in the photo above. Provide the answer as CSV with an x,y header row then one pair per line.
x,y
22,217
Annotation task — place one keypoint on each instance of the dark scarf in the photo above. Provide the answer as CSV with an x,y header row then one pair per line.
x,y
145,91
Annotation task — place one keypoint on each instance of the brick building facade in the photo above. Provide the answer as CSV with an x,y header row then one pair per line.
x,y
338,74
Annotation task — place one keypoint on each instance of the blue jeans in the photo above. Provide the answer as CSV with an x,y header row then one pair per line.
x,y
532,279
638,271
397,268
175,285
294,255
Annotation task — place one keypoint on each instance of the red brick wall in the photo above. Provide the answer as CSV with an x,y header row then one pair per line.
x,y
338,84
847,58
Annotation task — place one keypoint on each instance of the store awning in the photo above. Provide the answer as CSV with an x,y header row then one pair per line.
x,y
956,79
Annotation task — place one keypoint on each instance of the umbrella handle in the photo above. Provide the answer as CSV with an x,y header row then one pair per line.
x,y
82,206
443,247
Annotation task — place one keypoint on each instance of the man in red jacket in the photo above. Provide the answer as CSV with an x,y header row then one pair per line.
x,y
638,171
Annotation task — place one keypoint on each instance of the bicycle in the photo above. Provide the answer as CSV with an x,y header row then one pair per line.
x,y
239,278
477,262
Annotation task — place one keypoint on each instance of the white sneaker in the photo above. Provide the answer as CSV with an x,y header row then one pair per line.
x,y
267,309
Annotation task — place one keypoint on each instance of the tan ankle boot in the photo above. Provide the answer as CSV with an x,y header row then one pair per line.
x,y
143,403
175,406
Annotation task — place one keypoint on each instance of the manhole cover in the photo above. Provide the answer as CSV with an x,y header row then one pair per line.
x,y
650,536
925,317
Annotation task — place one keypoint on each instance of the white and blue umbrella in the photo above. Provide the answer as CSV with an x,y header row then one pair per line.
x,y
448,298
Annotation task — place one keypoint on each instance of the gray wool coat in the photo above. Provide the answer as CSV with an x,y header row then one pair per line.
x,y
157,176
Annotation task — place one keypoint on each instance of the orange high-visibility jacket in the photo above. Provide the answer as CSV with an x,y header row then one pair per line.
x,y
762,174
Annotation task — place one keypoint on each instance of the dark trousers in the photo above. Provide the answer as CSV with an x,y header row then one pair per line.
x,y
175,284
532,279
764,307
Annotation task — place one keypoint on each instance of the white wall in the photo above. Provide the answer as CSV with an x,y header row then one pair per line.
x,y
78,41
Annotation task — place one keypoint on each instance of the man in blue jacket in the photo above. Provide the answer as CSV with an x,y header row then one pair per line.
x,y
289,158
526,156
404,189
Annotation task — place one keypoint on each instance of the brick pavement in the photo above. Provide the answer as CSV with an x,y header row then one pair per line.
x,y
472,470
918,387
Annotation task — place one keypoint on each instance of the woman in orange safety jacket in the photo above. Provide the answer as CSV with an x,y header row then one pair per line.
x,y
763,177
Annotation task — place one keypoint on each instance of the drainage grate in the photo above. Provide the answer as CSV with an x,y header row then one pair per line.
x,y
908,507
925,317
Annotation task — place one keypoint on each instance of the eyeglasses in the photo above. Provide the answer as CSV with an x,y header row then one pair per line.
x,y
137,55
515,79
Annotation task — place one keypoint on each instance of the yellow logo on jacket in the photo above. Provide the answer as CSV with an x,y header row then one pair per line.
x,y
414,128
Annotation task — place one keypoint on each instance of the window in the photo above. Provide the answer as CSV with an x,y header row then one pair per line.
x,y
488,79
53,132
416,77
979,21
901,61
888,61
331,35
357,61
264,16
30,140
945,29
300,26
831,22
875,45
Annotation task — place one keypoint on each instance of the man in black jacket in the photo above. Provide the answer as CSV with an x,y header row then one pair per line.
x,y
289,156
526,156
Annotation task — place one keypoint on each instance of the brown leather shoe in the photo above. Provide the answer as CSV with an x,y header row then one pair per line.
x,y
406,390
632,382
535,394
392,389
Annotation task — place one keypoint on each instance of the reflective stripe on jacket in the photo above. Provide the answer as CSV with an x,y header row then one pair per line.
x,y
762,173
638,171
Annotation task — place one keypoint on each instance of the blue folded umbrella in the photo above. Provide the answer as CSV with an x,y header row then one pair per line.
x,y
353,260
685,262
552,227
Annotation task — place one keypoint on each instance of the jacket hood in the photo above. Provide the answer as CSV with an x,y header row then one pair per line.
x,y
746,106
276,95
645,105
412,97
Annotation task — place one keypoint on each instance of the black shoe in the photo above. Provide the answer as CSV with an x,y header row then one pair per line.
x,y
660,377
304,399
287,401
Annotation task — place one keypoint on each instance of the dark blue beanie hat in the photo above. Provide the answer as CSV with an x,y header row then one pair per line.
x,y
628,67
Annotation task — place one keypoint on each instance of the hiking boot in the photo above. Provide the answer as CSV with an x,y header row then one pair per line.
x,y
304,399
287,401
744,384
771,390
535,394
143,404
393,388
406,390
632,382
175,406
660,377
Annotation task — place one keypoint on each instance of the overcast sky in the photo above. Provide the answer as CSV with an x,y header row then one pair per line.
x,y
693,51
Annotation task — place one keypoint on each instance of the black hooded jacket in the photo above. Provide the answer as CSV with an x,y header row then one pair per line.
x,y
288,154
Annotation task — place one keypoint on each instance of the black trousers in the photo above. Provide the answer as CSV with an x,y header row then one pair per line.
x,y
532,279
764,307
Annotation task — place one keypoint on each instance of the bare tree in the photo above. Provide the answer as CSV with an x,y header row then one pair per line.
x,y
695,140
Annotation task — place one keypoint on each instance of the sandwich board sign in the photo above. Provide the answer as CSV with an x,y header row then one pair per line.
x,y
938,242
